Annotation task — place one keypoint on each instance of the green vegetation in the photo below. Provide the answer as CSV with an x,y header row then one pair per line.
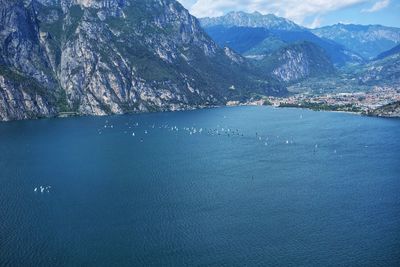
x,y
389,110
27,84
62,102
267,46
267,103
76,14
324,107
339,83
54,27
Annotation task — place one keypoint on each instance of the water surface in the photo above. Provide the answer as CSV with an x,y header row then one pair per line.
x,y
239,186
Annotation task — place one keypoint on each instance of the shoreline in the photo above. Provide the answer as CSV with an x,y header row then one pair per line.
x,y
65,115
360,113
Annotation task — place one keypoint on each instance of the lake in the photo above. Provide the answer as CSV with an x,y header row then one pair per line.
x,y
237,186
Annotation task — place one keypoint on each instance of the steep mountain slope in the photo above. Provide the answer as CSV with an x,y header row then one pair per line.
x,y
277,32
393,51
336,53
22,97
369,41
385,71
380,74
391,110
114,56
240,39
268,45
297,61
253,20
27,84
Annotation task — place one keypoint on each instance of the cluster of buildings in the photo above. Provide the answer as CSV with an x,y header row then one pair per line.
x,y
360,101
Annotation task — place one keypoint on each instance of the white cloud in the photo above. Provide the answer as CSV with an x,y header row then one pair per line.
x,y
377,6
316,22
291,9
187,3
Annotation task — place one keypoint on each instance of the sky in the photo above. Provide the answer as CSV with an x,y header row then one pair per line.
x,y
309,13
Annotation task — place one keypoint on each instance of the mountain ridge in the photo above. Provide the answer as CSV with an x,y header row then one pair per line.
x,y
368,40
115,56
296,62
220,28
255,19
393,51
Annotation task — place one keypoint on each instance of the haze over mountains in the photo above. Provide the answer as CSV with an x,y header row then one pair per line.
x,y
116,56
355,40
290,51
253,20
368,40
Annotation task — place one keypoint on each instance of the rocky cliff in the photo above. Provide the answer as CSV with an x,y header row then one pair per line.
x,y
296,62
384,71
113,56
253,20
391,110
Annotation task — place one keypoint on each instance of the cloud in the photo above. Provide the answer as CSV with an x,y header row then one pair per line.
x,y
187,3
316,22
377,6
291,9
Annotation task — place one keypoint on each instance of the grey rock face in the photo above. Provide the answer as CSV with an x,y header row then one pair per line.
x,y
22,99
297,61
294,66
384,71
19,41
256,19
114,56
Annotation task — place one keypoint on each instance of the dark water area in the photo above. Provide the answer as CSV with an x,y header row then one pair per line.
x,y
250,186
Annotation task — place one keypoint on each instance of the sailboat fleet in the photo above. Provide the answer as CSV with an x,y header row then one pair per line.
x,y
266,140
192,130
42,189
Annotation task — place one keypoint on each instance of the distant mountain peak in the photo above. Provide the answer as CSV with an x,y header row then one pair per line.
x,y
257,13
243,13
254,20
256,40
367,40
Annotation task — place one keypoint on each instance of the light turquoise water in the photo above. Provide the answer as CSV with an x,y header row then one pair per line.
x,y
318,189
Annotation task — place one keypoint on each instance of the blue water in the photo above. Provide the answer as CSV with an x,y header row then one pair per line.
x,y
280,187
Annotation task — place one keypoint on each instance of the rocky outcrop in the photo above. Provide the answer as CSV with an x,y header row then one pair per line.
x,y
385,71
391,110
114,56
296,62
256,20
22,98
20,46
